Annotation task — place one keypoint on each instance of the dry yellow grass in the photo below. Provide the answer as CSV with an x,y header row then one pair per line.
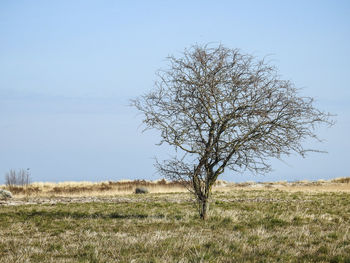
x,y
333,185
109,188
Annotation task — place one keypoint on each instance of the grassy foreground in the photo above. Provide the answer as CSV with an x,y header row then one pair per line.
x,y
243,226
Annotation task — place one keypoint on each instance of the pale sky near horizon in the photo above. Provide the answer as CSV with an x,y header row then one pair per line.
x,y
69,68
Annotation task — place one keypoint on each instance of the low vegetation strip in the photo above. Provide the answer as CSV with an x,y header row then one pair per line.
x,y
94,188
243,226
88,189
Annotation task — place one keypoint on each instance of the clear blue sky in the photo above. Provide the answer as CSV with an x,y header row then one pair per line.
x,y
69,68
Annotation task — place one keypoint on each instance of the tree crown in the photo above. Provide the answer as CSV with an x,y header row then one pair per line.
x,y
221,108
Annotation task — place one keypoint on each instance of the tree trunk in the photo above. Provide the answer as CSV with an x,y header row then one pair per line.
x,y
203,208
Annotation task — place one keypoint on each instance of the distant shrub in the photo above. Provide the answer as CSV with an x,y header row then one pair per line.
x,y
342,180
141,190
4,194
17,178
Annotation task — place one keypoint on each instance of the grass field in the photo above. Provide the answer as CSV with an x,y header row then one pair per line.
x,y
244,225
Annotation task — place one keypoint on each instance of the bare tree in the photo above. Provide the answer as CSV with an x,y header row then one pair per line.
x,y
222,109
19,178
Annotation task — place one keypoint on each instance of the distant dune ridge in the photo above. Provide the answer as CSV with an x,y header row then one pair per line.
x,y
163,186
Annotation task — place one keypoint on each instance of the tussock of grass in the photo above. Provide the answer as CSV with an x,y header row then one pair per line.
x,y
243,226
342,180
